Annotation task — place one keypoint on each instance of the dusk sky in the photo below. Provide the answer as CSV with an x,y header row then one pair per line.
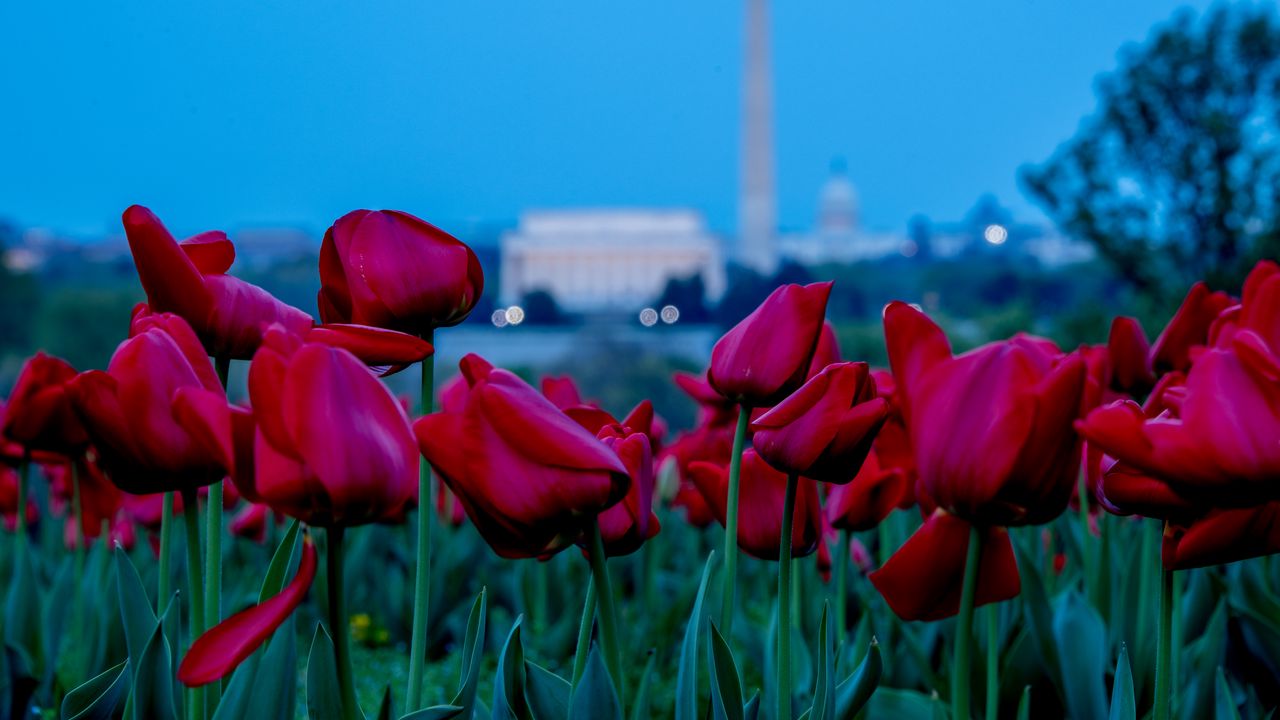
x,y
241,112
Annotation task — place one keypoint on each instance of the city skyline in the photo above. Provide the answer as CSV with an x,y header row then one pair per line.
x,y
393,123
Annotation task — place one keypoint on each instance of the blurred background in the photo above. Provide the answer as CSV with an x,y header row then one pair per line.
x,y
636,177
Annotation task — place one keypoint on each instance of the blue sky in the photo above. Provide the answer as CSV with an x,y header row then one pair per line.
x,y
242,112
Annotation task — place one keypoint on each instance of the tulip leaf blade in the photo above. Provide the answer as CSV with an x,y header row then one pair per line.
x,y
1082,647
1039,615
640,710
509,684
153,682
548,694
595,698
281,560
472,654
135,607
1024,705
22,608
687,674
323,699
824,700
751,711
1224,704
857,689
1123,704
99,697
726,686
435,712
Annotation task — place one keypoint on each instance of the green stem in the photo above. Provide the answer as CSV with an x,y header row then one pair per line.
x,y
166,549
213,578
191,516
338,624
993,662
964,629
540,595
1086,539
584,632
24,473
784,599
422,581
608,618
1164,649
884,539
731,523
841,560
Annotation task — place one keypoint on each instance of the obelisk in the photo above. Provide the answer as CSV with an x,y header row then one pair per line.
x,y
757,199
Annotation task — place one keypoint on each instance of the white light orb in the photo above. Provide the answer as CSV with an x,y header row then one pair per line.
x,y
648,317
670,314
499,318
995,234
515,315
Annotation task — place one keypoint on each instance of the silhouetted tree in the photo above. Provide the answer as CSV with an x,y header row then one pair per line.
x,y
689,295
541,308
1177,176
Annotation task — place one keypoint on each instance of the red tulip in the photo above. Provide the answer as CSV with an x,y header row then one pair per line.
x,y
39,414
823,430
448,509
332,446
766,357
893,444
827,351
1221,445
991,429
562,391
762,491
9,500
392,270
1129,357
217,652
991,435
1188,329
529,477
100,500
190,279
940,545
251,522
713,408
874,493
627,525
158,418
1223,536
147,510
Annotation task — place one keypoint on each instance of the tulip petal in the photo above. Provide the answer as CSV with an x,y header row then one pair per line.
x,y
1224,536
924,578
374,346
211,252
206,415
170,279
217,652
915,344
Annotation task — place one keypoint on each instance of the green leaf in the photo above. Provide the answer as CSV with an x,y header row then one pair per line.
x,y
509,685
1082,648
1024,705
324,699
100,697
548,694
17,682
726,685
472,655
857,689
135,607
1123,705
640,710
385,711
236,697
435,712
687,674
22,610
153,683
900,705
824,692
594,698
1039,616
281,561
752,709
1224,703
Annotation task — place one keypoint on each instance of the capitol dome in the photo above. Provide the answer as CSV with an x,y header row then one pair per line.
x,y
838,201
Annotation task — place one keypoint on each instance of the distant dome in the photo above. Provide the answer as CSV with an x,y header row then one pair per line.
x,y
838,201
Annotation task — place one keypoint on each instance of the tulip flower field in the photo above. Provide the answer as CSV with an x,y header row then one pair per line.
x,y
1017,531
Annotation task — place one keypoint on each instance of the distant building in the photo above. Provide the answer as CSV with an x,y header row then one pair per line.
x,y
594,260
838,236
